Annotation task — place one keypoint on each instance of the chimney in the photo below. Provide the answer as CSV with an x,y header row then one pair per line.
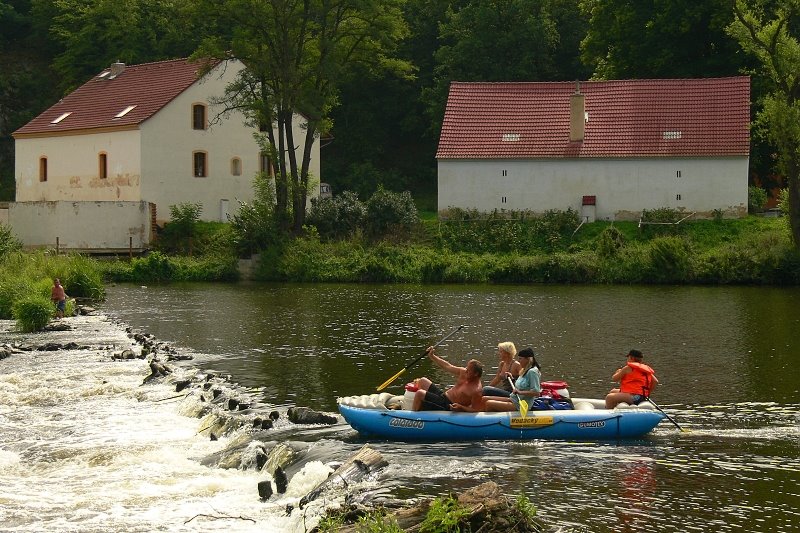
x,y
116,69
577,114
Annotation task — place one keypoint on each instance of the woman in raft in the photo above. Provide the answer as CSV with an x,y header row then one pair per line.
x,y
527,387
507,368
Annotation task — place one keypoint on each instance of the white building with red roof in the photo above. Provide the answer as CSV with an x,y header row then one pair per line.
x,y
98,168
624,146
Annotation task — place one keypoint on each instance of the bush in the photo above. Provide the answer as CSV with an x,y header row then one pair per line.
x,y
8,242
609,242
154,267
255,226
33,312
756,199
340,216
389,211
670,259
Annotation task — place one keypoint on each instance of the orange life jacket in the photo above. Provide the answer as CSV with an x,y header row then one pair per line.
x,y
638,380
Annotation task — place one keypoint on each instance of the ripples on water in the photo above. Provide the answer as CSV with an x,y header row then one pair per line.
x,y
110,457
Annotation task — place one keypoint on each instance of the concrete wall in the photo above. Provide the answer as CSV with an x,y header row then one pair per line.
x,y
73,167
168,166
82,226
623,187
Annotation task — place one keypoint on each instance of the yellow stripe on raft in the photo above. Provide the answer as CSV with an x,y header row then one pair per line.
x,y
530,421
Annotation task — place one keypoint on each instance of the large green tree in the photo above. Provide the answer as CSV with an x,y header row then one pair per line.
x,y
296,54
92,34
27,83
505,40
659,39
770,31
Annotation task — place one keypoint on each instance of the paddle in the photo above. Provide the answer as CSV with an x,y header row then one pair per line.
x,y
523,405
415,361
665,414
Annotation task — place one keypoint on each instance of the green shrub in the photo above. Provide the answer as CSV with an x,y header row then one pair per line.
x,y
756,199
340,216
153,267
670,259
390,212
661,221
32,313
8,242
445,515
609,242
255,226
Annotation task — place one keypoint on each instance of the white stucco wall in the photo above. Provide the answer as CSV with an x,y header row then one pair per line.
x,y
623,187
168,142
84,226
73,167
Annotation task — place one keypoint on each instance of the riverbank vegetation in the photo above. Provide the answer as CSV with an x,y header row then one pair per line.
x,y
27,278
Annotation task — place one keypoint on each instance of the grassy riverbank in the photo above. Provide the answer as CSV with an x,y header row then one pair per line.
x,y
27,278
749,251
548,249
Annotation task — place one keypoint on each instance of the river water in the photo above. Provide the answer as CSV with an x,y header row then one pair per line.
x,y
84,447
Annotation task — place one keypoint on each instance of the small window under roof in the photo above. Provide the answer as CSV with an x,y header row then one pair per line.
x,y
511,137
60,118
124,111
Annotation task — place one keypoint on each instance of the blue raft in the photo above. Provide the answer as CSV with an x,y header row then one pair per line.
x,y
589,423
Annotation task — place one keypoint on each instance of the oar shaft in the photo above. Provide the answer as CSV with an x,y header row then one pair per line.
x,y
417,360
665,414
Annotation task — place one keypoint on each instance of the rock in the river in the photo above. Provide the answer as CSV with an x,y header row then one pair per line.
x,y
305,415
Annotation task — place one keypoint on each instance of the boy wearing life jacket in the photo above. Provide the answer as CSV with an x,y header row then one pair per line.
x,y
637,381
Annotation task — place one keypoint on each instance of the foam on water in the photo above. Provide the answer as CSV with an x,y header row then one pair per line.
x,y
85,447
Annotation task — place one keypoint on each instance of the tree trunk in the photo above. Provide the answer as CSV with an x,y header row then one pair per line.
x,y
300,210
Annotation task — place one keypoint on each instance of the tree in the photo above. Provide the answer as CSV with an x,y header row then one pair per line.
x,y
769,31
659,39
296,54
94,34
501,40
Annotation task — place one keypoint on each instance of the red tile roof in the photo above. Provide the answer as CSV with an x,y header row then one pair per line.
x,y
149,86
626,118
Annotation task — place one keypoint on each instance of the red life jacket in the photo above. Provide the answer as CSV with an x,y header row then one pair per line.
x,y
638,380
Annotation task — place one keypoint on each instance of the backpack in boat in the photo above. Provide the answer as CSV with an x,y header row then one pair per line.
x,y
545,403
558,390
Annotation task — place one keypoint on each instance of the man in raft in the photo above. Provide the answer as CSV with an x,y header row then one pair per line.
x,y
464,396
637,381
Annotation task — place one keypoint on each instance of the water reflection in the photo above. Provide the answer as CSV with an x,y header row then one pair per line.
x,y
726,359
311,343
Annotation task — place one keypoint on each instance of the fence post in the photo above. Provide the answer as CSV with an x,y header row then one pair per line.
x,y
130,247
57,245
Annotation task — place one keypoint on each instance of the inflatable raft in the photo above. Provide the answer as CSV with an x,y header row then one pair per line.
x,y
382,415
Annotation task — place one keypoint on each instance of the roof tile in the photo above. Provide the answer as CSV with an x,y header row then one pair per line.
x,y
95,104
627,118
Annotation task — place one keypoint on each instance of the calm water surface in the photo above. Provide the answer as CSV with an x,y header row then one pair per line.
x,y
726,357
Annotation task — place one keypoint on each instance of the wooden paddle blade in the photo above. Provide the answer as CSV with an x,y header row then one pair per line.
x,y
523,408
389,381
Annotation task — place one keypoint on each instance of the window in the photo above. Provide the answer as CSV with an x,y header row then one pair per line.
x,y
678,197
125,111
200,169
236,167
265,164
505,173
198,117
60,118
102,166
42,169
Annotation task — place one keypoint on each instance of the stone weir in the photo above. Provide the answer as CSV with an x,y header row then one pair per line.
x,y
261,436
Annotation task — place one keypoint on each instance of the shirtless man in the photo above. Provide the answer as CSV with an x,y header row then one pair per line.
x,y
465,395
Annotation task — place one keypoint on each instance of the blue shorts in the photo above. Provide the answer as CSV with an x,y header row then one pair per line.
x,y
61,305
637,398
